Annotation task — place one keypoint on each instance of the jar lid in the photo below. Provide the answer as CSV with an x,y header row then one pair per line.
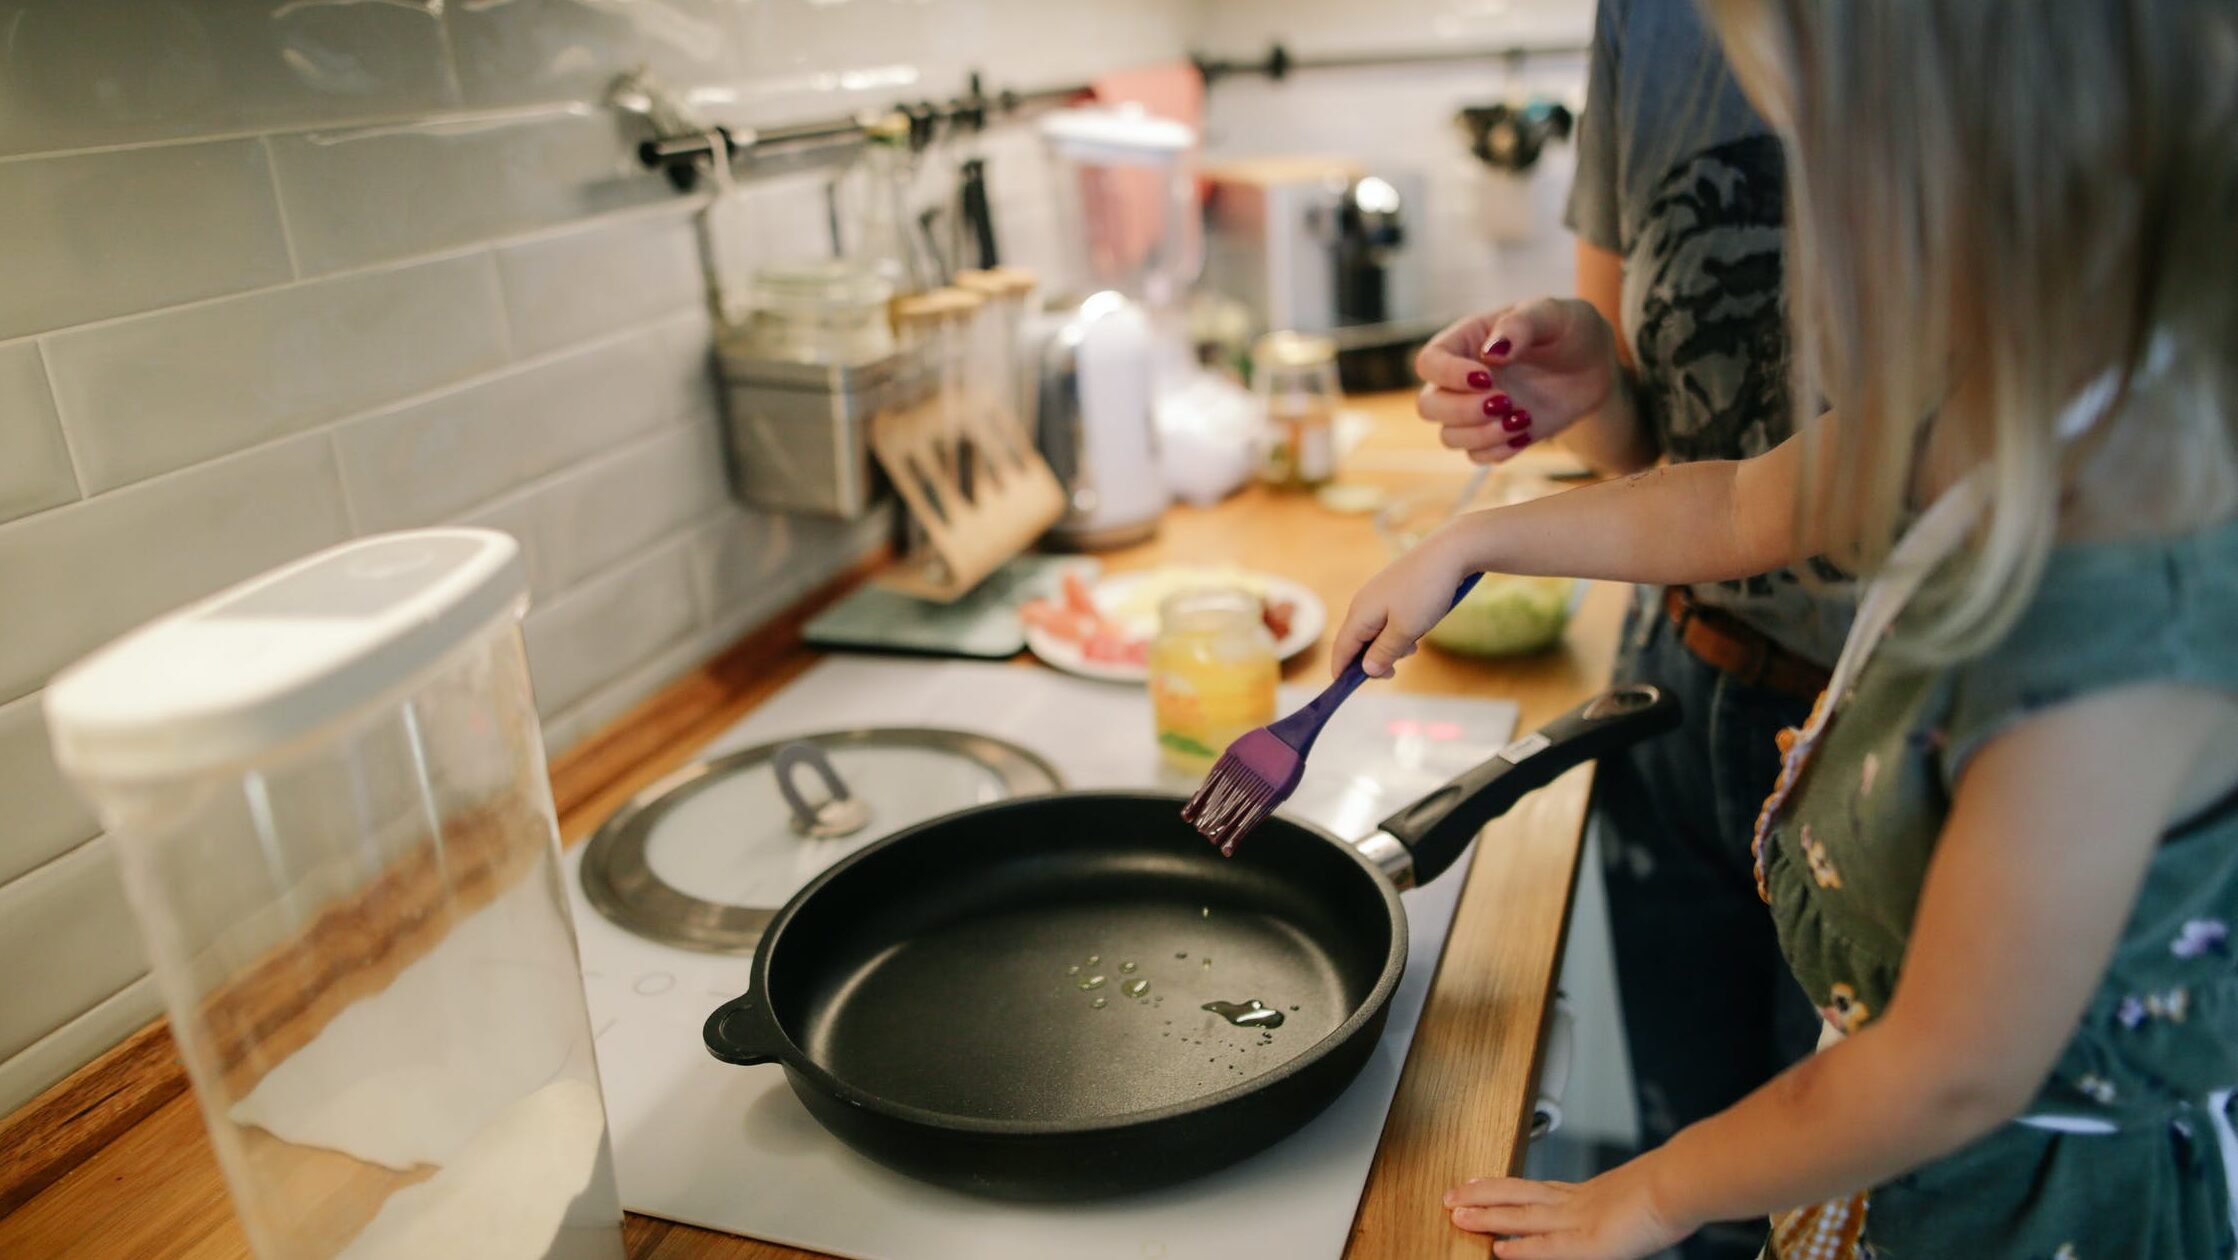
x,y
1287,349
997,281
936,304
827,282
281,657
703,858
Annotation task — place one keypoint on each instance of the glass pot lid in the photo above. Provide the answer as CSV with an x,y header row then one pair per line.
x,y
704,858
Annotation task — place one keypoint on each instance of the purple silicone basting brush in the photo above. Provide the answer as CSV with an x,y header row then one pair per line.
x,y
1260,770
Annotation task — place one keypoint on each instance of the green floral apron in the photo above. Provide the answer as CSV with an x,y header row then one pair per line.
x,y
2129,1150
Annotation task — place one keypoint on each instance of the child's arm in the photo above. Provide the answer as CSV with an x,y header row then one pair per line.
x,y
2033,877
1698,522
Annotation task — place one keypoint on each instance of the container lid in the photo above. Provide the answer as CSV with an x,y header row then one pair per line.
x,y
703,858
251,669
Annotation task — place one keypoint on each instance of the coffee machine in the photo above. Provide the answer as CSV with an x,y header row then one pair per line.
x,y
1325,245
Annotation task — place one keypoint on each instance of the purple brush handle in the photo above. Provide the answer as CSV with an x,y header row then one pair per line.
x,y
1300,729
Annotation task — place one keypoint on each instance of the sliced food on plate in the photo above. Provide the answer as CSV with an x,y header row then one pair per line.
x,y
1103,628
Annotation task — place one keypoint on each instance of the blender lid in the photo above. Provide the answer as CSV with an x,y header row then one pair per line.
x,y
704,858
1124,136
283,656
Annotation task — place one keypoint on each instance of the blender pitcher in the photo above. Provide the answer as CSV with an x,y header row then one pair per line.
x,y
328,794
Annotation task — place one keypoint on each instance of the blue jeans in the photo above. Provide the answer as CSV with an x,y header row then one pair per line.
x,y
1710,1009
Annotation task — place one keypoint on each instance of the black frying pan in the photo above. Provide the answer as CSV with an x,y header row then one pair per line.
x,y
922,999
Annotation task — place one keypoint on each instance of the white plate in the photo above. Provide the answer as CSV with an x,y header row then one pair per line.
x,y
1123,598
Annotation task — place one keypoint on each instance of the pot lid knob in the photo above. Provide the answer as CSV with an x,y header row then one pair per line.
x,y
841,813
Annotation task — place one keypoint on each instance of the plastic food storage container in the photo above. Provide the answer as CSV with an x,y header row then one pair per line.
x,y
327,790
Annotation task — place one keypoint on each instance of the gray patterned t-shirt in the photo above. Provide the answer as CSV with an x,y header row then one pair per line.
x,y
1678,176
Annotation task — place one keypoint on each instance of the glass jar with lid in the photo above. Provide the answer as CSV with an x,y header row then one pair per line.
x,y
1295,375
821,312
1213,674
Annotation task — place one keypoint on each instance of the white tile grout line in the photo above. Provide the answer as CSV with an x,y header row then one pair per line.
x,y
653,328
52,1034
342,486
449,253
513,496
61,422
280,207
507,340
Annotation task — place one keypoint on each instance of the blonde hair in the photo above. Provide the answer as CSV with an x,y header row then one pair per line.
x,y
1996,203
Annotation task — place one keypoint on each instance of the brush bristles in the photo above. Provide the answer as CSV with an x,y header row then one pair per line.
x,y
1232,800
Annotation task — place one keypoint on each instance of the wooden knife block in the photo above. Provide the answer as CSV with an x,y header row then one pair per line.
x,y
978,489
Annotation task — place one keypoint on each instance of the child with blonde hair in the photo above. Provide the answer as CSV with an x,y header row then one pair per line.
x,y
2003,854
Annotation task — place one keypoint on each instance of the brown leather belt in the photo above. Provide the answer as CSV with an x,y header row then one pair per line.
x,y
1725,643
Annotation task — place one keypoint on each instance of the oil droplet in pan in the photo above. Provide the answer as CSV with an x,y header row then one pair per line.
x,y
1126,966
1091,982
1208,961
1072,971
1251,1014
1099,1003
1093,959
1136,988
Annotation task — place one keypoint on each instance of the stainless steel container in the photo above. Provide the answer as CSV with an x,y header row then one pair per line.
x,y
798,434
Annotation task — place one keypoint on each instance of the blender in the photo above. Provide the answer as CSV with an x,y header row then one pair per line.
x,y
1116,344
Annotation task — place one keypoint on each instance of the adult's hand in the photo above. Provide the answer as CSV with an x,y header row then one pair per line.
x,y
1497,382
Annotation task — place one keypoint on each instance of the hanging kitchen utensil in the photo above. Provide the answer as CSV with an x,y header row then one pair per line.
x,y
977,211
793,808
975,489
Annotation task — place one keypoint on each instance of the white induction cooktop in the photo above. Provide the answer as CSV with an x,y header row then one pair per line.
x,y
731,1149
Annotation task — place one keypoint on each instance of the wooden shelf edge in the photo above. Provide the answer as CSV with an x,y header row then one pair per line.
x,y
45,1139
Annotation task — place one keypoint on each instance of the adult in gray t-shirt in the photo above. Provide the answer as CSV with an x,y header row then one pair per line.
x,y
1676,349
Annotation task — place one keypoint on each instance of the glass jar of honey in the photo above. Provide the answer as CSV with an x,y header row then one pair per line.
x,y
1212,674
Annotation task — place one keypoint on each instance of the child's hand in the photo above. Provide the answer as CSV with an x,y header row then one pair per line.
x,y
1399,605
1611,1217
1501,380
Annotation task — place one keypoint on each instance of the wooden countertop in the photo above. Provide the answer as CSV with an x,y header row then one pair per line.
x,y
113,1161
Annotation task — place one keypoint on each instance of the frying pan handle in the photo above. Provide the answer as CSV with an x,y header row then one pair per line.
x,y
744,1032
1438,827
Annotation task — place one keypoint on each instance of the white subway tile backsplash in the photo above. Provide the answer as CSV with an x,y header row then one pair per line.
x,y
80,75
365,196
45,818
99,234
35,1067
428,461
143,396
79,575
747,565
69,939
619,505
684,367
34,461
608,627
571,50
563,289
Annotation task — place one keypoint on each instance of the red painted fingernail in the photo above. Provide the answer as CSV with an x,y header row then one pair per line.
x,y
1517,422
1498,405
1480,380
1499,349
1519,443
